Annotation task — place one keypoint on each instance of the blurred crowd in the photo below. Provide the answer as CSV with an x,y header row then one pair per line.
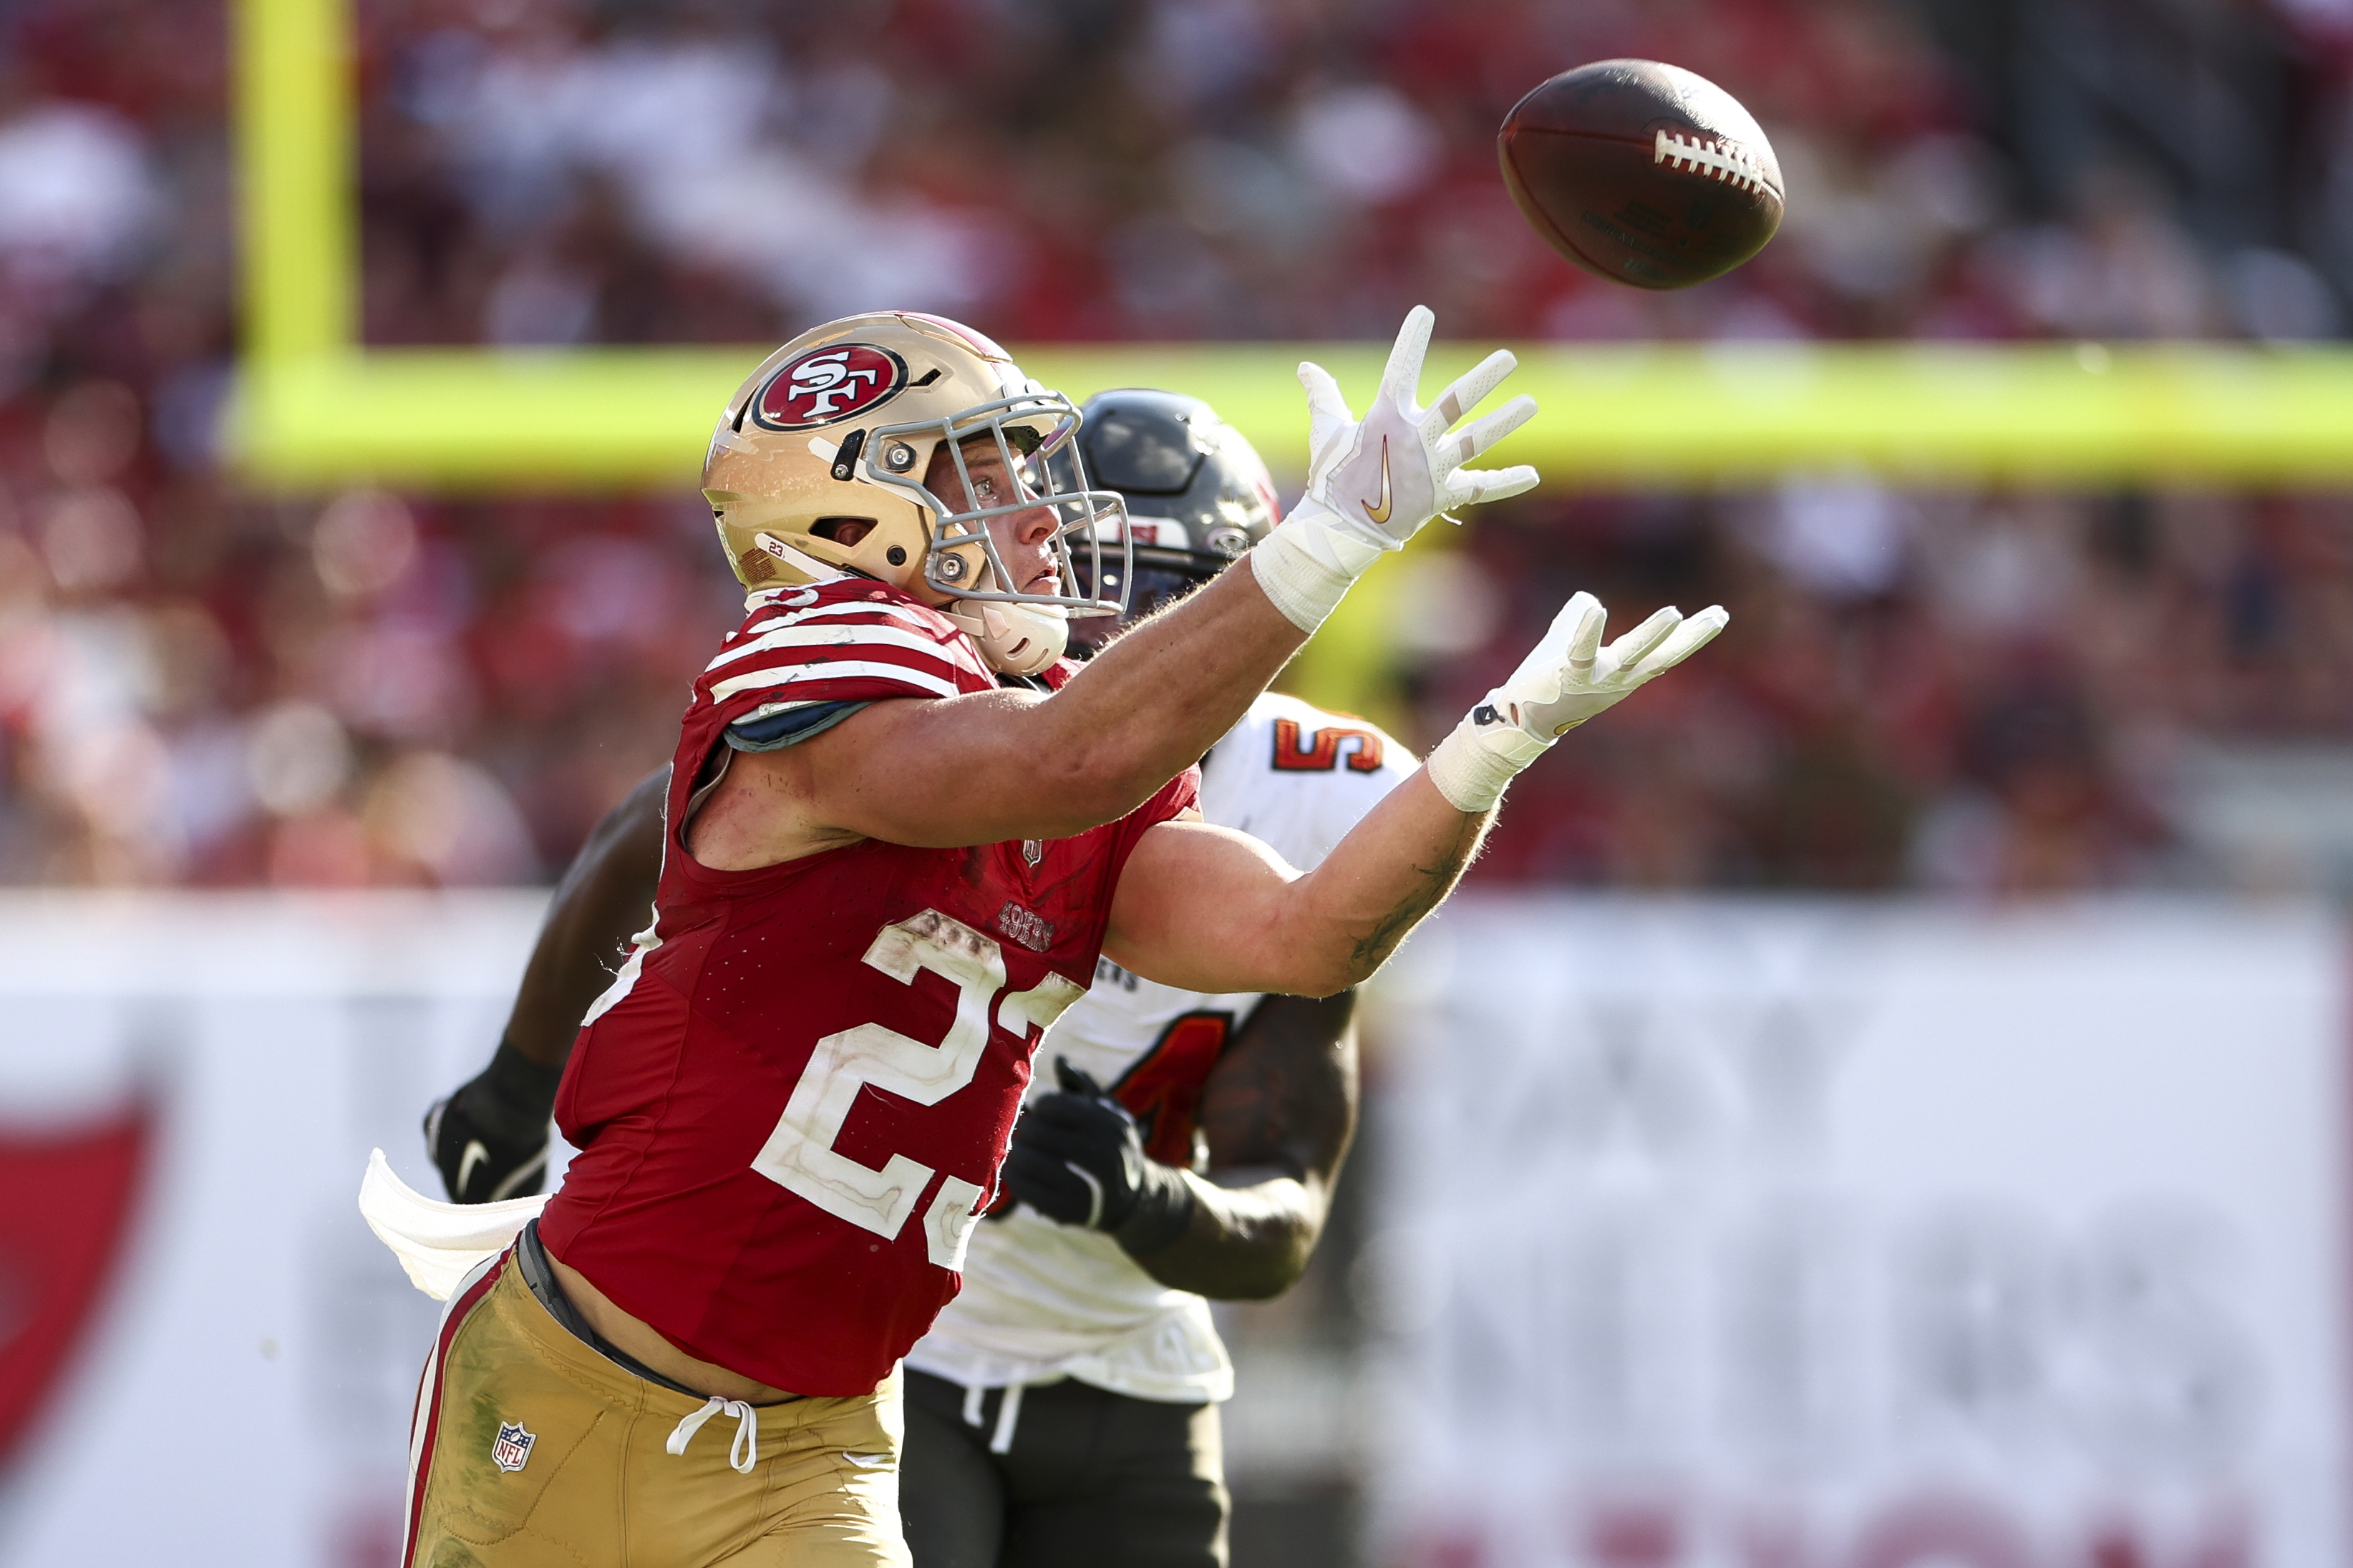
x,y
1971,691
1979,695
552,171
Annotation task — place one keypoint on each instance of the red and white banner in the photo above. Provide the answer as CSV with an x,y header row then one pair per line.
x,y
204,1356
1837,1236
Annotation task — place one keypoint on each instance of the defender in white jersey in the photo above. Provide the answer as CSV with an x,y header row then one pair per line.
x,y
1062,1410
1043,1300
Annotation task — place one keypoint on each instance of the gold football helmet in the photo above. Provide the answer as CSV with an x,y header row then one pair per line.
x,y
826,460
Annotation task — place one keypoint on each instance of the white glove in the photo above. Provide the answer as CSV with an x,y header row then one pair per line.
x,y
1565,679
1372,484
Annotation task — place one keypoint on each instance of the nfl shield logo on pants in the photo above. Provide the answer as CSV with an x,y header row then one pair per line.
x,y
511,1450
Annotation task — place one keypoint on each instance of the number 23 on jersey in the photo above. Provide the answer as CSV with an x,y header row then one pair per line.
x,y
800,1155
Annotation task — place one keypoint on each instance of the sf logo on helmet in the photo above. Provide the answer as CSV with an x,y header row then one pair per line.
x,y
829,384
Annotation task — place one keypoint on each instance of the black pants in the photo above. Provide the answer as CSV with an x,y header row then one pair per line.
x,y
1092,1480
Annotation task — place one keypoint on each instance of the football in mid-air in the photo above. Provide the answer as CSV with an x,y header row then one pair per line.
x,y
1642,173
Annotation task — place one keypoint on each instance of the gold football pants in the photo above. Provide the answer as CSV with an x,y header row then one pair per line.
x,y
532,1450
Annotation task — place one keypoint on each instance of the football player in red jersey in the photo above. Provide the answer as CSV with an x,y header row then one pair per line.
x,y
883,871
1063,1410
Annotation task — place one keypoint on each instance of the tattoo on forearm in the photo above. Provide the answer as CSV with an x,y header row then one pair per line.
x,y
1430,885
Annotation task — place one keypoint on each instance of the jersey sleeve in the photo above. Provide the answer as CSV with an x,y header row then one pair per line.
x,y
806,659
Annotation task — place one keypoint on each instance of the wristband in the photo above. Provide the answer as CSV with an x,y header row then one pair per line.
x,y
1309,563
1475,762
1470,777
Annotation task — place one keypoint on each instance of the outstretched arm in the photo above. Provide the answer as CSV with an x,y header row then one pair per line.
x,y
994,766
489,1140
1207,908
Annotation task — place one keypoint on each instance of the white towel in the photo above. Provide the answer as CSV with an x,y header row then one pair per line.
x,y
438,1244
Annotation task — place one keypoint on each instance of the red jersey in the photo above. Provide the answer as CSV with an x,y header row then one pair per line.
x,y
792,1104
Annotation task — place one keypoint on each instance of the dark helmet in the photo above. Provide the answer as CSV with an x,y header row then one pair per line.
x,y
1199,495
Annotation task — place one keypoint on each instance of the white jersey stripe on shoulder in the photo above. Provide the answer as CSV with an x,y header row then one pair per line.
x,y
907,612
837,670
834,637
823,661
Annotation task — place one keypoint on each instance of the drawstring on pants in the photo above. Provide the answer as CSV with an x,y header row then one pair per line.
x,y
1009,1411
1008,1415
744,1452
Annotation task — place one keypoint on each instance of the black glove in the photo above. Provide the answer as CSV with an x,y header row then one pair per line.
x,y
1077,1158
490,1139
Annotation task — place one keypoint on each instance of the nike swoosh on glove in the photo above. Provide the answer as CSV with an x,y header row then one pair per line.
x,y
1077,1157
1566,678
489,1140
1372,483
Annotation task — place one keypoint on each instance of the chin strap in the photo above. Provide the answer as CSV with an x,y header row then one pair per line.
x,y
1013,639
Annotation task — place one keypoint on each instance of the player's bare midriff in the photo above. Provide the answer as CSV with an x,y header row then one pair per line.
x,y
634,1337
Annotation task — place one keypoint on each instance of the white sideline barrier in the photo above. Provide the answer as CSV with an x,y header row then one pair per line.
x,y
1834,1236
1722,1234
241,1395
